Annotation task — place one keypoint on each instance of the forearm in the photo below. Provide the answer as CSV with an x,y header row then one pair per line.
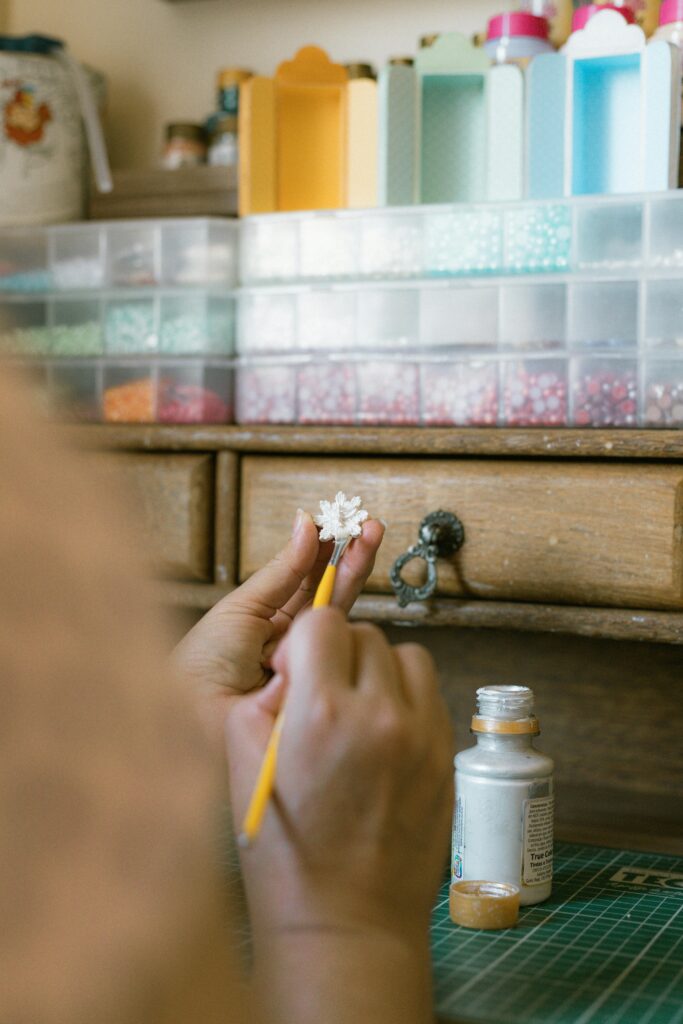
x,y
343,976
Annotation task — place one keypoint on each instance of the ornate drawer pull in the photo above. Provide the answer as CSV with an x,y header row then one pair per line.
x,y
441,534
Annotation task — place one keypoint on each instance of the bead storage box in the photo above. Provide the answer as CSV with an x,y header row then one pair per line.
x,y
187,252
134,390
131,321
576,349
570,313
452,388
606,233
540,313
116,323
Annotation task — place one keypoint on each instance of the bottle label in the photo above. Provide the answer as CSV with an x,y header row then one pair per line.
x,y
458,838
538,841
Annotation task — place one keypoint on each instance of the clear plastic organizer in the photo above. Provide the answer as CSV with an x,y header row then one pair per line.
x,y
578,312
138,391
128,323
461,389
606,233
189,253
444,388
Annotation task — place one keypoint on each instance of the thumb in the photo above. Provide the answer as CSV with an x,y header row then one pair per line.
x,y
271,587
271,698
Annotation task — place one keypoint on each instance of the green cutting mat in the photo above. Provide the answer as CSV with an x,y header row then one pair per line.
x,y
606,948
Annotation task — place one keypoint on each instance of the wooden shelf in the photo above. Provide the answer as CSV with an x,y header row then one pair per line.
x,y
605,623
438,441
186,192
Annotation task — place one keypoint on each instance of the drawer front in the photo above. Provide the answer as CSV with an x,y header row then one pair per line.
x,y
172,497
578,533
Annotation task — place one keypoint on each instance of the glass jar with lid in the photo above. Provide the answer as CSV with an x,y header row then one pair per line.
x,y
223,141
516,37
228,82
185,146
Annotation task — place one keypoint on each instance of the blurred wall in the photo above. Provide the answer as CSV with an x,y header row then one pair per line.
x,y
160,58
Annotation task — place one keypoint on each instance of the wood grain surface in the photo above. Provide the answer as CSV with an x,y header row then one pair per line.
x,y
574,533
225,527
607,623
423,441
173,499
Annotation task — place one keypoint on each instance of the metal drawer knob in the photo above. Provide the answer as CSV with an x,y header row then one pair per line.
x,y
441,534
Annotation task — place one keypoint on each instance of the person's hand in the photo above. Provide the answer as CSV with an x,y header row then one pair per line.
x,y
356,834
229,651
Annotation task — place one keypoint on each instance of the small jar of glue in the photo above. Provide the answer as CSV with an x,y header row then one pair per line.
x,y
503,821
516,37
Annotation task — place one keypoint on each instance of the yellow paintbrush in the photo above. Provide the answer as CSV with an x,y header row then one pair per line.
x,y
340,520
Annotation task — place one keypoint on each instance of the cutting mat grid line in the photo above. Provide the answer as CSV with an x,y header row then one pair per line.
x,y
607,948
677,975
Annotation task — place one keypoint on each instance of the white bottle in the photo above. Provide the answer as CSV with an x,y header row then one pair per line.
x,y
503,822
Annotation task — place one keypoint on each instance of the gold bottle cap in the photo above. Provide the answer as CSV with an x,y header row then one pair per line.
x,y
429,39
359,70
485,905
403,61
507,726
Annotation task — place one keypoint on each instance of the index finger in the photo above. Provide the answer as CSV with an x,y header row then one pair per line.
x,y
357,564
319,653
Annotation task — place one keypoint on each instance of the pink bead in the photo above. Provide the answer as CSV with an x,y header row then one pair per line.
x,y
388,393
190,403
606,397
265,394
664,402
326,393
459,394
535,398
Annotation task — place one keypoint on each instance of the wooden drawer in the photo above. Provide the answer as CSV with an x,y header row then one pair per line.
x,y
579,533
173,502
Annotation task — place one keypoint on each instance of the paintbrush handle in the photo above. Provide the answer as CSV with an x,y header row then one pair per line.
x,y
323,595
263,788
266,779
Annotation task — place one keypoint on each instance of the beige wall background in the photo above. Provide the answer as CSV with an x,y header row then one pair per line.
x,y
160,58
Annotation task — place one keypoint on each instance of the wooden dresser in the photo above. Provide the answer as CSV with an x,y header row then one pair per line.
x,y
573,550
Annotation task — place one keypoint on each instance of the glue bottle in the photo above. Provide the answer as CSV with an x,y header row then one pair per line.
x,y
503,821
516,37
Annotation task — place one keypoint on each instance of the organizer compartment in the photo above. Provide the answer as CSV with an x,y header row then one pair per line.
x,y
534,391
662,402
605,391
141,391
192,252
664,314
75,391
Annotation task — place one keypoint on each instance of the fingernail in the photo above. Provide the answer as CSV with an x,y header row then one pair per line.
x,y
384,523
298,520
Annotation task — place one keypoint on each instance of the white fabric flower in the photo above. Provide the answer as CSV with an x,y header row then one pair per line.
x,y
340,519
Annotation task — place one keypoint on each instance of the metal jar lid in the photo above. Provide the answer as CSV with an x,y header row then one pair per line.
x,y
360,70
222,125
185,130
